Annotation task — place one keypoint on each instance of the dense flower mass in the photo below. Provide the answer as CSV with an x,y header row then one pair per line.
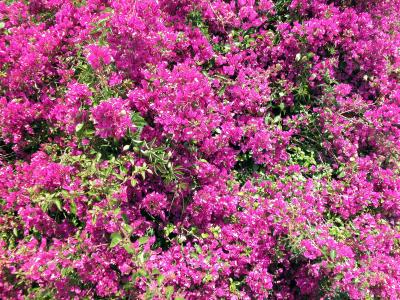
x,y
208,149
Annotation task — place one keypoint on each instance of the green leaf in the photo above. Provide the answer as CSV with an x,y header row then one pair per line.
x,y
141,257
129,249
79,127
138,120
204,235
2,25
160,279
125,218
58,203
149,295
143,240
73,207
169,229
332,254
198,248
207,278
155,272
116,238
128,228
169,290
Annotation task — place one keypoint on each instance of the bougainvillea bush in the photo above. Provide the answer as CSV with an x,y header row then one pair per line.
x,y
200,149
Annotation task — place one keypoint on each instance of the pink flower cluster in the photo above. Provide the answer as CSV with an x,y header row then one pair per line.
x,y
208,149
111,118
98,56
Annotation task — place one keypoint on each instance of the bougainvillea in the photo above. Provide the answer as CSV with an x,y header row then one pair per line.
x,y
207,149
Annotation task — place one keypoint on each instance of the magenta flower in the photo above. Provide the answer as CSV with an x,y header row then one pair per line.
x,y
98,56
112,118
